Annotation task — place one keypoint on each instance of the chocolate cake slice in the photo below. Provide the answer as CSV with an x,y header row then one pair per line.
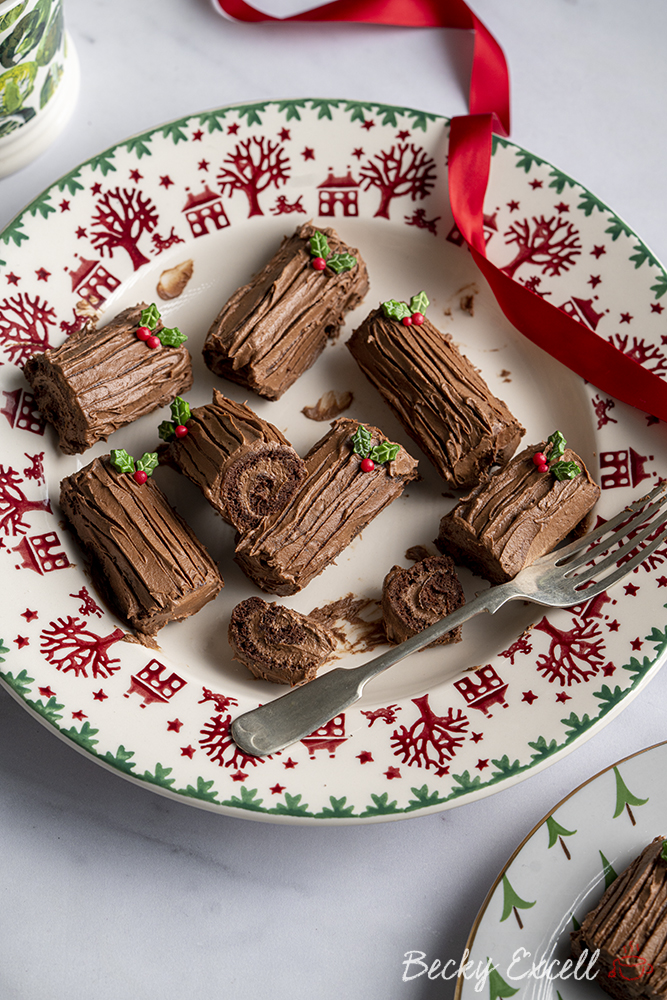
x,y
273,329
331,506
628,930
144,559
243,465
278,644
414,598
438,395
100,380
516,515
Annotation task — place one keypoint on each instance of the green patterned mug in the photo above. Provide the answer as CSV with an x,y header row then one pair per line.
x,y
39,79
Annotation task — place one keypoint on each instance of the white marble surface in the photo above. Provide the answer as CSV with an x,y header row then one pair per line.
x,y
113,893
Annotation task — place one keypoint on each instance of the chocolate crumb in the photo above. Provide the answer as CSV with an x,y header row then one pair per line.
x,y
367,634
417,552
329,406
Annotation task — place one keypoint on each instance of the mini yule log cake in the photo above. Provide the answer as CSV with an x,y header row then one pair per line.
x,y
100,380
520,512
440,398
353,474
243,465
277,644
273,329
144,559
414,598
628,930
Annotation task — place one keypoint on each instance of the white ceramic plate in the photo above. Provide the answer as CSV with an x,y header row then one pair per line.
x,y
556,876
418,741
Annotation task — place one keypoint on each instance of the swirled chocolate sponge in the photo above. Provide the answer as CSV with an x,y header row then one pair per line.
x,y
274,328
278,644
243,465
100,380
414,598
144,559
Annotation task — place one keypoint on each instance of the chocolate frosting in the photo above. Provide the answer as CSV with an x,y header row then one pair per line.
x,y
629,924
332,505
278,644
272,329
440,398
242,464
515,516
145,560
414,598
100,380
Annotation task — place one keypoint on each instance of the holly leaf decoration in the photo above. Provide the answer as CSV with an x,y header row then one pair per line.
x,y
122,460
361,441
419,303
663,852
384,452
150,317
166,430
339,262
172,337
180,410
319,245
565,470
395,310
557,442
148,462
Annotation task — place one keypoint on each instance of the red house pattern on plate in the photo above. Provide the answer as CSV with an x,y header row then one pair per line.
x,y
327,737
151,686
341,191
37,553
92,282
202,209
626,468
482,689
21,411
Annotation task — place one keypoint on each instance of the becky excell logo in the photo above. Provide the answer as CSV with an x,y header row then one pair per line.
x,y
627,965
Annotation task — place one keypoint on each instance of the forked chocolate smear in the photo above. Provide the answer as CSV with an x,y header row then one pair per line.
x,y
629,929
144,559
515,516
278,644
272,330
100,380
331,506
243,465
414,598
440,398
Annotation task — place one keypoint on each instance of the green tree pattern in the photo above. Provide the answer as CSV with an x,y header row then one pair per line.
x,y
512,902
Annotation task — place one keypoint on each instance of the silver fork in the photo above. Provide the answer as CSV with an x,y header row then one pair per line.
x,y
571,574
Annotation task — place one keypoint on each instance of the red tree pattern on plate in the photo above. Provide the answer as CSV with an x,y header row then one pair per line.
x,y
256,164
552,244
402,170
220,747
14,504
432,739
24,326
69,645
121,219
648,355
574,655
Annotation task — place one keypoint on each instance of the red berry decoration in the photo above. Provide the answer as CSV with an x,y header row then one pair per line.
x,y
153,341
140,477
143,333
407,321
367,465
319,263
180,430
543,468
418,318
539,458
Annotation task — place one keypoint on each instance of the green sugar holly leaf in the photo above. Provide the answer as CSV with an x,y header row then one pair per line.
x,y
180,410
361,441
565,470
419,303
663,851
319,245
172,337
339,262
148,462
150,316
166,430
122,460
557,442
384,452
395,310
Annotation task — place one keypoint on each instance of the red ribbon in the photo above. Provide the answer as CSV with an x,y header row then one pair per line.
x,y
470,143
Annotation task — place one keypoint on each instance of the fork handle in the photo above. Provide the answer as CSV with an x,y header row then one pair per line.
x,y
300,712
